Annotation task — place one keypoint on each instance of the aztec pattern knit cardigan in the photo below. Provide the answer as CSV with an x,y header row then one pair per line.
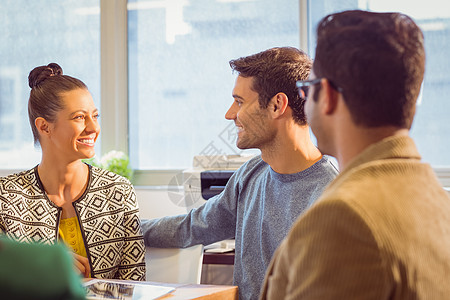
x,y
107,213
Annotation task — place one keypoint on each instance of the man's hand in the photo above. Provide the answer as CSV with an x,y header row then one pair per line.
x,y
82,265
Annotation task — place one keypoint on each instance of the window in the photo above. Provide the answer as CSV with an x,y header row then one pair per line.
x,y
10,133
431,127
180,82
35,33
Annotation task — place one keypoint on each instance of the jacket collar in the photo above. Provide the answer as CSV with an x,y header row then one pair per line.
x,y
400,147
390,147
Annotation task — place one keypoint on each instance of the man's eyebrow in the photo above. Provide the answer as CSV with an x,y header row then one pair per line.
x,y
237,96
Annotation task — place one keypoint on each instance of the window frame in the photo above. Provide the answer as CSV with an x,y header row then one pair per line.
x,y
114,90
114,87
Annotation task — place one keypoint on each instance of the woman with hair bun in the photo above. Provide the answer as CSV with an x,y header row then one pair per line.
x,y
92,210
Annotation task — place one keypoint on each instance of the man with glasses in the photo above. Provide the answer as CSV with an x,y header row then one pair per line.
x,y
381,229
267,194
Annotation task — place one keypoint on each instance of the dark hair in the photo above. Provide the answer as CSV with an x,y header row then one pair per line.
x,y
276,70
47,83
378,59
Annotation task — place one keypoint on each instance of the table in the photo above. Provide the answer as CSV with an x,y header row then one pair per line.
x,y
204,292
189,291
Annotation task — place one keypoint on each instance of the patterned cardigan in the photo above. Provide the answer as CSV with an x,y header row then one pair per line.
x,y
107,213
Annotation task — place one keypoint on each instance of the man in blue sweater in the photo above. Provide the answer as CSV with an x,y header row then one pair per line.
x,y
267,194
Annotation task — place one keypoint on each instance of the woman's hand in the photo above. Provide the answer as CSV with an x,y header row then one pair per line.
x,y
82,265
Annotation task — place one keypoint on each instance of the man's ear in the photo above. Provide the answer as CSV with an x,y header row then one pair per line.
x,y
278,105
331,97
42,126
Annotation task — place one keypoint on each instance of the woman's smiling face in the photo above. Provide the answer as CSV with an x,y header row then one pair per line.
x,y
76,128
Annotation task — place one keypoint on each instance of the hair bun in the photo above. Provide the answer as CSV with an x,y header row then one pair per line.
x,y
40,74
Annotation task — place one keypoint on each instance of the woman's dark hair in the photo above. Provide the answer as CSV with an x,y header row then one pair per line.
x,y
47,85
277,70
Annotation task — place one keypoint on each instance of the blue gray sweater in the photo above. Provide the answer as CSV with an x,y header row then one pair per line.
x,y
257,208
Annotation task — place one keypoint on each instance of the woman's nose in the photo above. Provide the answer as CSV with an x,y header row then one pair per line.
x,y
92,125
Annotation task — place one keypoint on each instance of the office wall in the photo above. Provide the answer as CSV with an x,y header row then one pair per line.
x,y
155,202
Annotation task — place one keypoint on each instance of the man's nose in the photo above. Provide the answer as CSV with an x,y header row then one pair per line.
x,y
232,112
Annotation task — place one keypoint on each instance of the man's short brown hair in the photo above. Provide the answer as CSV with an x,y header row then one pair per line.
x,y
276,70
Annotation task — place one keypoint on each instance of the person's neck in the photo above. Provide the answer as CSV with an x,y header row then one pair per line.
x,y
63,181
356,140
291,152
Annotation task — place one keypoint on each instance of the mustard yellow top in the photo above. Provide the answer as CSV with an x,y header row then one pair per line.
x,y
70,233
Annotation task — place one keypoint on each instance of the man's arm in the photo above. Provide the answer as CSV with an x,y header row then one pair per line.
x,y
329,254
212,222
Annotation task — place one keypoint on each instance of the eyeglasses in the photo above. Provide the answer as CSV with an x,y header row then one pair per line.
x,y
303,87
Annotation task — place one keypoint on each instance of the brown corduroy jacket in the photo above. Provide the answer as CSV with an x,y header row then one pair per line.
x,y
381,230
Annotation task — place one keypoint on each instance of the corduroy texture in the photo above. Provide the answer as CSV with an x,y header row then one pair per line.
x,y
381,230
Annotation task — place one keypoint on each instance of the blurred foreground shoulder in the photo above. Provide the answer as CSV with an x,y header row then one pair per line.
x,y
36,271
